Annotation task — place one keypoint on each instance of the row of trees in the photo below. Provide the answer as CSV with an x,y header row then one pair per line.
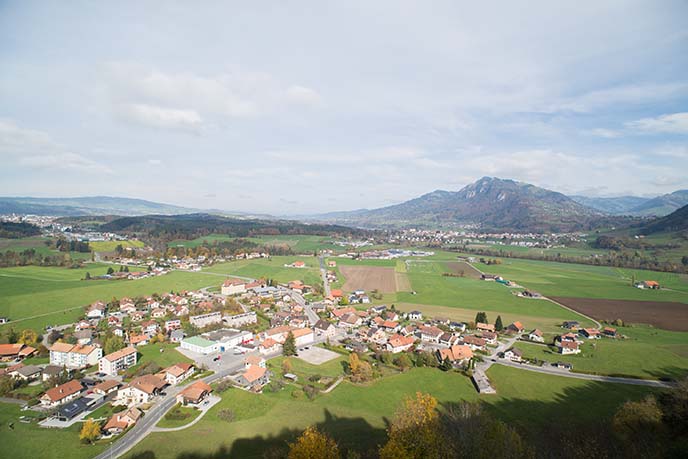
x,y
622,259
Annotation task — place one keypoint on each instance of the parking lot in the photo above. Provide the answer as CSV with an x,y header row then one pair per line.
x,y
316,355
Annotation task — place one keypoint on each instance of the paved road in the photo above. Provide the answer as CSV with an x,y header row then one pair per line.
x,y
151,418
16,401
568,374
301,301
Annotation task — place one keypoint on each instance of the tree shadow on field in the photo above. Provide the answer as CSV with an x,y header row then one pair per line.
x,y
349,433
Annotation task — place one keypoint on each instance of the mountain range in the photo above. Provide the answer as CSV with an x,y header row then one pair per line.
x,y
490,203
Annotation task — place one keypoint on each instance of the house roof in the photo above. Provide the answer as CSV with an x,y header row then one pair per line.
x,y
148,383
299,332
569,344
268,343
254,359
196,390
400,340
323,324
254,373
113,357
198,341
106,385
517,325
29,370
178,369
61,347
63,390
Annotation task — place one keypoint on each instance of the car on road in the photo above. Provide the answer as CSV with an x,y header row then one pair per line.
x,y
216,358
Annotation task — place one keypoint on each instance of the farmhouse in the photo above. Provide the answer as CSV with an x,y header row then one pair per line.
x,y
26,372
96,310
61,394
254,377
429,333
119,422
484,327
324,328
457,354
516,327
117,361
570,324
590,333
194,394
139,390
415,315
568,347
536,335
178,373
269,346
513,354
9,352
489,337
649,284
399,343
609,331
474,343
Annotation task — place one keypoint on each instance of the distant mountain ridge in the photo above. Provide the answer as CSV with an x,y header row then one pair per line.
x,y
676,221
615,206
490,202
88,205
635,205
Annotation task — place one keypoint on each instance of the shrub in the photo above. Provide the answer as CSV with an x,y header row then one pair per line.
x,y
226,415
298,393
310,391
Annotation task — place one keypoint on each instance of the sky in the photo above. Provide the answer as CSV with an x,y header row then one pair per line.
x,y
292,108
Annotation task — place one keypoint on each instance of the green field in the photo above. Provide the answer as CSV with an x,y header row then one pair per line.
x,y
171,419
584,281
109,246
647,353
37,243
29,441
33,296
300,244
356,416
272,268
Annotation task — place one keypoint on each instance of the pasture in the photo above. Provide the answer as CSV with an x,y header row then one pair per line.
x,y
646,353
356,415
110,246
33,296
272,268
369,278
300,243
585,281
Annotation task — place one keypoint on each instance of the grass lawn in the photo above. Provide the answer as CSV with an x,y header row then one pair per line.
x,y
476,295
179,416
29,441
151,353
34,296
272,268
584,281
304,370
356,416
647,353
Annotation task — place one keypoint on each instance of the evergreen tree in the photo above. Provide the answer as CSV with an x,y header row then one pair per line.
x,y
481,317
446,364
88,276
289,346
499,326
110,270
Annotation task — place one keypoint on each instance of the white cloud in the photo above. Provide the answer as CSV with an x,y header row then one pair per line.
x,y
675,123
159,117
154,162
605,133
183,100
37,150
300,95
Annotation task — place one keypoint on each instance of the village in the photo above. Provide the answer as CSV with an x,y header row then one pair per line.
x,y
228,333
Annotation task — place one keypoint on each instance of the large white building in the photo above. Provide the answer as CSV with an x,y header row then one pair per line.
x,y
233,287
74,356
204,320
120,360
237,320
199,345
